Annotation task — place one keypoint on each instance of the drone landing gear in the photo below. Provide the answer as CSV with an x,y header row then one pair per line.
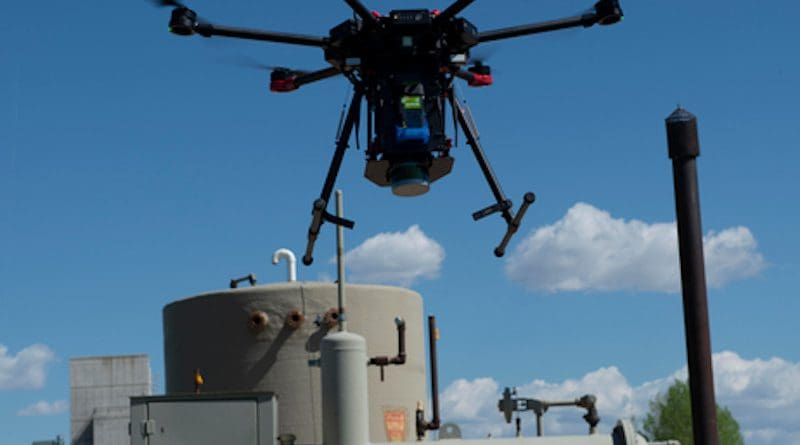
x,y
318,212
503,204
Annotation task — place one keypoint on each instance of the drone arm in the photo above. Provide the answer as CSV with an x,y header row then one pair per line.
x,y
208,30
452,10
553,25
605,12
474,79
464,75
362,11
315,76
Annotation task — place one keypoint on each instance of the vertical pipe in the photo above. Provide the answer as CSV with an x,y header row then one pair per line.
x,y
684,148
340,262
539,424
433,337
435,423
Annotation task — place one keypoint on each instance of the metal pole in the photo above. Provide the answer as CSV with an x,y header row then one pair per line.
x,y
683,149
340,261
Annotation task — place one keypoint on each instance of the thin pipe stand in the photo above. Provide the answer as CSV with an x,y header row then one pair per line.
x,y
684,148
340,262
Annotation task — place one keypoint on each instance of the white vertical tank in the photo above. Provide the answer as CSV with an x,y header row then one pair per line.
x,y
344,389
263,338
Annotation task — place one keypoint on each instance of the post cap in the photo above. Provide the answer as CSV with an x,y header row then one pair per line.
x,y
682,140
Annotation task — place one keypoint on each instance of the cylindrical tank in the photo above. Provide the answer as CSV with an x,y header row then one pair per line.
x,y
344,389
263,338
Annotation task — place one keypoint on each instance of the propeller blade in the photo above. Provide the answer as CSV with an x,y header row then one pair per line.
x,y
244,61
482,54
165,3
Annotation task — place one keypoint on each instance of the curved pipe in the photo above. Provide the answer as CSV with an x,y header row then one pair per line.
x,y
400,358
291,261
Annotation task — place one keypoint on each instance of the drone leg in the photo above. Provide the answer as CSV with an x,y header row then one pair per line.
x,y
318,212
513,226
503,204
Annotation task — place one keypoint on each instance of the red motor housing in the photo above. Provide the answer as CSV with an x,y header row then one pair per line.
x,y
281,80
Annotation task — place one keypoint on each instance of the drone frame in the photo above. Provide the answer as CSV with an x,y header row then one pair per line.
x,y
184,21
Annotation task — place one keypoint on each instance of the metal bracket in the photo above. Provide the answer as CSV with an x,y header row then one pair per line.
x,y
148,427
494,208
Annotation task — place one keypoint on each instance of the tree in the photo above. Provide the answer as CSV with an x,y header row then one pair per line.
x,y
670,417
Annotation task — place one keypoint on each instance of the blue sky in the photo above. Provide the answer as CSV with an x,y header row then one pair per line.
x,y
137,168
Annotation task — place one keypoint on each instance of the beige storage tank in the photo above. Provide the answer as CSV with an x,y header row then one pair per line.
x,y
264,338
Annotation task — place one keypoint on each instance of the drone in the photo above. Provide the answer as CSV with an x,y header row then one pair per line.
x,y
404,65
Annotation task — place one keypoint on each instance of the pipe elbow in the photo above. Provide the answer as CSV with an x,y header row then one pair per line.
x,y
290,259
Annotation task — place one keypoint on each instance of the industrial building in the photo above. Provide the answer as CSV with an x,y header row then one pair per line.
x,y
100,392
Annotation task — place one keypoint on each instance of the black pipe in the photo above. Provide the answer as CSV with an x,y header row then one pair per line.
x,y
400,358
684,148
401,342
432,338
435,423
236,281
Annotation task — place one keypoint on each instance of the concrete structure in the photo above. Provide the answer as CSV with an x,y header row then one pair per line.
x,y
100,391
245,340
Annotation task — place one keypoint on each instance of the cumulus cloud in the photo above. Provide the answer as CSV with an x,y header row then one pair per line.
x,y
588,249
26,369
399,258
43,408
763,396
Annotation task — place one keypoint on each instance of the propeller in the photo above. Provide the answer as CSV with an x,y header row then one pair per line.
x,y
481,54
183,20
479,57
252,63
165,3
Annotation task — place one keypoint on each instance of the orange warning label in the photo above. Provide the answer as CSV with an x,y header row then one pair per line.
x,y
395,421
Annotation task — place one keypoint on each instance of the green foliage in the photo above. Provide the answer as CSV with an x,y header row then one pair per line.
x,y
670,417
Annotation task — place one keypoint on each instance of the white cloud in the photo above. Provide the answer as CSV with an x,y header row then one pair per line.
x,y
26,369
399,258
587,249
763,396
464,399
43,408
